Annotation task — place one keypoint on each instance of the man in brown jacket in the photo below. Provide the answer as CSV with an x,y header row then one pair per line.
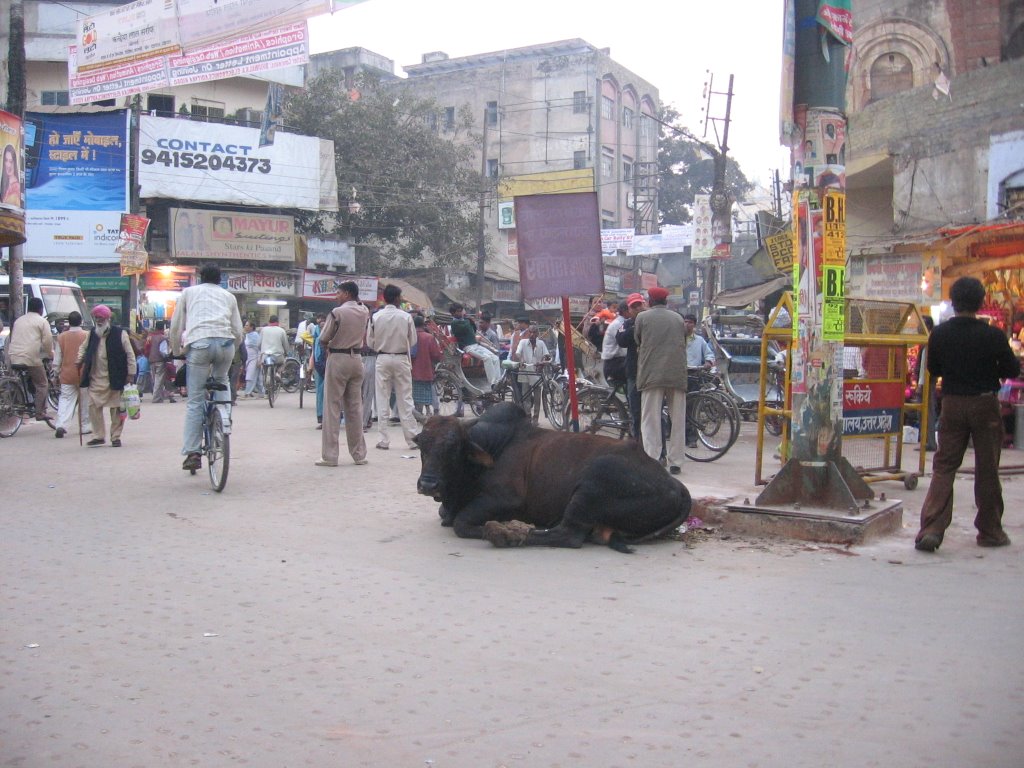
x,y
65,360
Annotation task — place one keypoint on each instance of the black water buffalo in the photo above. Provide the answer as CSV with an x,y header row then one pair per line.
x,y
570,486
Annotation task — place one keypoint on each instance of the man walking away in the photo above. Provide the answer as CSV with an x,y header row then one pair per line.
x,y
392,336
613,356
107,364
661,377
158,352
971,357
342,337
66,359
30,343
464,331
210,314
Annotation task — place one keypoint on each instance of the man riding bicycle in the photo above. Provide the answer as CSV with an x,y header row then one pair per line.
x,y
273,345
208,315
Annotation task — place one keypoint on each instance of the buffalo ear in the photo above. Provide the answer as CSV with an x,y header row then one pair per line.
x,y
478,455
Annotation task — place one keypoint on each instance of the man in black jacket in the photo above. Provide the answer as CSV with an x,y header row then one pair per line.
x,y
971,357
624,338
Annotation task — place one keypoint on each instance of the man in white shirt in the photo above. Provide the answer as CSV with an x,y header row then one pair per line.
x,y
531,352
273,343
612,355
392,335
210,316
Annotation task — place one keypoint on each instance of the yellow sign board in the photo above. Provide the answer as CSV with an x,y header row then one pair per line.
x,y
548,182
834,234
780,248
833,311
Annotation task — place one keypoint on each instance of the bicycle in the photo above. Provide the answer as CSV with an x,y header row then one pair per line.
x,y
16,401
543,387
216,444
603,411
306,381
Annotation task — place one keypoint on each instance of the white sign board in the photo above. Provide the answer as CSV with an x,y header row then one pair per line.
x,y
324,285
187,160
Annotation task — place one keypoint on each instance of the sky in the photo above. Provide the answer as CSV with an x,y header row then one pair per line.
x,y
669,43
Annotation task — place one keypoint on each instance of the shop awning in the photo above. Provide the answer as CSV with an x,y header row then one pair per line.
x,y
741,297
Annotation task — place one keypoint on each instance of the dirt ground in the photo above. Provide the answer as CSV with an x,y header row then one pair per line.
x,y
323,617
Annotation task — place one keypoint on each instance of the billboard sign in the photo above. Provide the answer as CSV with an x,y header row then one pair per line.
x,y
127,33
77,185
210,162
12,180
227,235
324,285
559,245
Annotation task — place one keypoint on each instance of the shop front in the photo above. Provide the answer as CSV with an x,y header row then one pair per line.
x,y
262,293
160,288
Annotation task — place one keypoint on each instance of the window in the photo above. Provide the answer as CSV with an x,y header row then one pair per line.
x,y
430,121
207,111
54,98
627,170
449,118
492,113
492,169
579,159
627,117
607,108
646,129
160,104
607,165
579,102
891,73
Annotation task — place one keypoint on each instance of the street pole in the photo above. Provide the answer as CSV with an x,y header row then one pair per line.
x,y
817,474
16,106
481,241
721,202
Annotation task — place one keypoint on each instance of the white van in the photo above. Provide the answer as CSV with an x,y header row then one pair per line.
x,y
60,299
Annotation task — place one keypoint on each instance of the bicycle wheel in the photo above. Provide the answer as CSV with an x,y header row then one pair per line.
x,y
449,395
53,387
12,406
602,413
270,383
290,375
554,404
716,424
773,399
218,452
302,389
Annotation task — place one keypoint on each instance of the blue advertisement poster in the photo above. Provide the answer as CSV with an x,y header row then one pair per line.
x,y
76,173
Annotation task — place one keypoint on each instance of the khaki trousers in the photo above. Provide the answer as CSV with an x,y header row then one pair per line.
x,y
395,371
650,423
99,428
343,384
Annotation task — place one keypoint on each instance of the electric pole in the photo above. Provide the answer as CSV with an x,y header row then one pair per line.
x,y
817,474
481,236
16,106
721,201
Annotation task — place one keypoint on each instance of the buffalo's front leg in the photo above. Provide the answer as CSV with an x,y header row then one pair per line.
x,y
470,520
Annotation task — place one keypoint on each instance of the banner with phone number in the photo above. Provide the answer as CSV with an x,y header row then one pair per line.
x,y
210,162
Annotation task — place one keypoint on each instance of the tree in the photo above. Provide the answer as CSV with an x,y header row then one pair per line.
x,y
407,193
686,168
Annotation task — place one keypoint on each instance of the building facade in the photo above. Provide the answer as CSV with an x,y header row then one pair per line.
x,y
935,172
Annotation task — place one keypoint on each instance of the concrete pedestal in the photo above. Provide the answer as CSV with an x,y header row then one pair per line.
x,y
871,521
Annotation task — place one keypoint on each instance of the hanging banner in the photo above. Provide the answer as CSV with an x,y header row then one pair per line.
x,y
231,235
205,22
77,178
836,16
703,239
133,233
126,33
12,181
134,263
192,160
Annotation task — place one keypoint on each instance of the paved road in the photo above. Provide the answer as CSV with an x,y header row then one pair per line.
x,y
313,617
